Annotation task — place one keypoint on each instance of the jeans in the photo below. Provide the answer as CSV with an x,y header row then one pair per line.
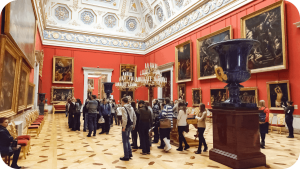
x,y
144,136
289,123
76,121
113,115
181,129
126,144
201,138
156,133
92,122
106,125
85,125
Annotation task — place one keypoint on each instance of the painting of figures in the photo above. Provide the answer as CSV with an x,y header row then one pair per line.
x,y
249,95
63,70
61,94
266,26
218,96
91,83
30,95
278,94
183,62
197,96
181,92
130,95
7,84
207,61
22,88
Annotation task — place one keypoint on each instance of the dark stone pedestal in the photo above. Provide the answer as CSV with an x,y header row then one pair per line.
x,y
236,139
42,108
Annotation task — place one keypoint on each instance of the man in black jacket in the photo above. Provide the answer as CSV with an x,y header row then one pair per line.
x,y
85,115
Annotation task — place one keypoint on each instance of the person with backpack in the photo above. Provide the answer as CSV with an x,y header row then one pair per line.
x,y
263,122
92,107
156,110
77,114
128,123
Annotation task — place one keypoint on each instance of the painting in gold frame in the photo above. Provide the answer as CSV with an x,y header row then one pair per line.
x,y
266,25
218,95
181,92
63,70
206,62
123,94
278,94
10,61
23,86
184,62
196,96
92,83
249,95
30,95
128,68
20,15
61,94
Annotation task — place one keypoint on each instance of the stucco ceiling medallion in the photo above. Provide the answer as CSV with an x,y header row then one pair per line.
x,y
69,37
160,14
110,21
80,38
61,13
206,8
150,21
219,2
93,40
125,43
55,35
115,42
87,17
131,24
104,41
179,3
135,45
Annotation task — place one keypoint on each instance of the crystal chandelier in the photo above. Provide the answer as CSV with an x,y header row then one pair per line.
x,y
126,82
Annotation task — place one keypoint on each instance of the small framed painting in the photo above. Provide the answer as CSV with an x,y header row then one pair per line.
x,y
218,96
278,94
249,95
91,83
61,94
197,96
123,94
63,70
181,92
183,62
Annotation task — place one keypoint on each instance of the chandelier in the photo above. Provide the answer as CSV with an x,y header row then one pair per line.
x,y
126,82
151,77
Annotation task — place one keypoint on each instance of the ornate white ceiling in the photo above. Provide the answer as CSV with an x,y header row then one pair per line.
x,y
131,26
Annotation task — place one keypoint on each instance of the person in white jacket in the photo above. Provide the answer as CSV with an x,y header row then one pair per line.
x,y
201,117
181,124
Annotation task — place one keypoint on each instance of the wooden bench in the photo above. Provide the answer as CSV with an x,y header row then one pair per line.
x,y
59,107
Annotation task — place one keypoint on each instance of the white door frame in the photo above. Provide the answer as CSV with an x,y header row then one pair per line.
x,y
165,68
91,70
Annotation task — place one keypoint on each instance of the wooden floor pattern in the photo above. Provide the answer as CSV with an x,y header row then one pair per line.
x,y
59,148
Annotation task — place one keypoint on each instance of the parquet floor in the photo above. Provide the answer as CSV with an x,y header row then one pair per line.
x,y
59,148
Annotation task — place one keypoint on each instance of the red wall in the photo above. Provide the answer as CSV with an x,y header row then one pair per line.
x,y
166,54
89,58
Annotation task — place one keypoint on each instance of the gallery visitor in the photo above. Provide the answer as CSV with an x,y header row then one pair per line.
x,y
145,123
119,115
85,115
92,107
105,111
77,114
71,111
113,107
201,125
135,131
289,110
181,123
167,113
156,111
263,122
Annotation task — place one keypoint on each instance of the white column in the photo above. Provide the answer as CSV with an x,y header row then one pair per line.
x,y
36,82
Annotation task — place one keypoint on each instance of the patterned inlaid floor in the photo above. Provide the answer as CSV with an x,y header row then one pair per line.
x,y
59,148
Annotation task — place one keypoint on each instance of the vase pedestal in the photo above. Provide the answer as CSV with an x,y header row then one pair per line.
x,y
236,139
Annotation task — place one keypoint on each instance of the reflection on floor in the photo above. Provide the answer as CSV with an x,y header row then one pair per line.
x,y
58,147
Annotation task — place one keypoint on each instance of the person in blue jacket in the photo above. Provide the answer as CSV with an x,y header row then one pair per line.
x,y
105,111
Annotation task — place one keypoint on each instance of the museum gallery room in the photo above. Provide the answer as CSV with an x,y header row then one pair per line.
x,y
149,84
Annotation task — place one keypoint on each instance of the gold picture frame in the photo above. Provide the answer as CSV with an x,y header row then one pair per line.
x,y
209,39
61,94
181,89
61,70
215,95
92,82
25,18
187,51
30,95
8,52
23,87
246,97
130,93
194,96
128,68
268,57
278,94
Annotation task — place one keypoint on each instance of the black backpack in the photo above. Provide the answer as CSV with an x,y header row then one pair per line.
x,y
129,122
262,115
77,108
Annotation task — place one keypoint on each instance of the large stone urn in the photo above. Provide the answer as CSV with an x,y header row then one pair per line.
x,y
235,124
108,88
41,104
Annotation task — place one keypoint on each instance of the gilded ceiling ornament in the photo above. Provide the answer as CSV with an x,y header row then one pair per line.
x,y
80,38
133,6
92,39
61,13
131,24
168,8
126,43
179,3
55,35
150,21
87,17
69,37
121,30
75,5
115,42
74,23
206,8
159,14
104,41
110,21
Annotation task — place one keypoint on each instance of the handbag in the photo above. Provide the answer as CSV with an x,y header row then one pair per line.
x,y
101,120
187,128
165,123
14,143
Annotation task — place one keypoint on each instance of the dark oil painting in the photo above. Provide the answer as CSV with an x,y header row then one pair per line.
x,y
279,94
218,96
128,68
248,96
196,97
62,94
22,88
63,70
8,78
181,92
184,63
267,29
209,60
30,95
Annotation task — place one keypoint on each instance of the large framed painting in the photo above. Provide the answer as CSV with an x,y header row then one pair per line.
x,y
207,61
128,68
278,94
91,83
123,94
10,61
249,95
184,62
61,94
197,96
20,16
268,27
23,86
63,70
30,94
218,96
181,92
